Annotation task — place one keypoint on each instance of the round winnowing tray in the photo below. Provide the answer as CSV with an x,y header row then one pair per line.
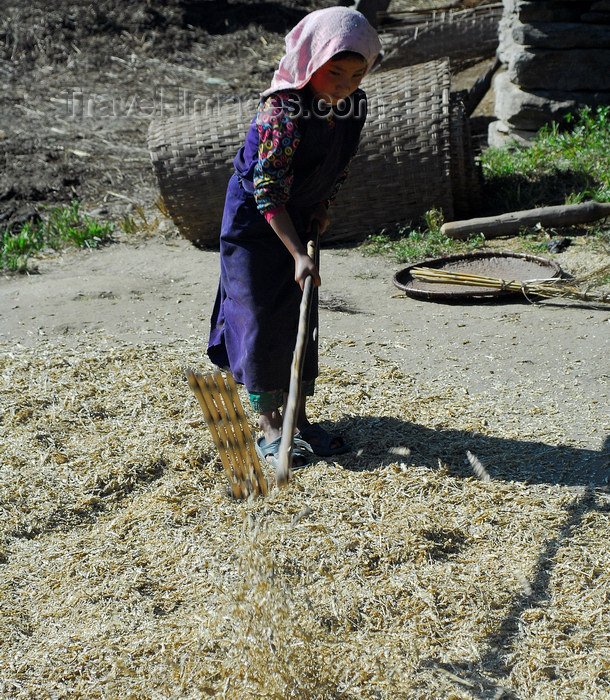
x,y
517,267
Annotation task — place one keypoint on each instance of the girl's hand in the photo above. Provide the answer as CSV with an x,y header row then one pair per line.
x,y
304,267
319,214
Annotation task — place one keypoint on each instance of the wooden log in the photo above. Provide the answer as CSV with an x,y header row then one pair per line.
x,y
515,221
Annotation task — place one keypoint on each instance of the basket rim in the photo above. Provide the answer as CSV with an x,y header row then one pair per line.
x,y
422,290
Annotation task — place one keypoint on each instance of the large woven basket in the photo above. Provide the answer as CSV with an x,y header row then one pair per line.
x,y
192,157
463,35
402,169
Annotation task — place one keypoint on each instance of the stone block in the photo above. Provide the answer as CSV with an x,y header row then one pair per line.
x,y
522,109
561,35
500,135
575,69
560,11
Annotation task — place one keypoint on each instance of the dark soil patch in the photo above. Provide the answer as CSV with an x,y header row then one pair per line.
x,y
84,79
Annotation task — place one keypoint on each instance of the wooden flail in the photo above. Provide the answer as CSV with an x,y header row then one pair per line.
x,y
224,414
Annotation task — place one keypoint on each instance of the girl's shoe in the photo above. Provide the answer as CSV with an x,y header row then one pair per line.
x,y
320,441
301,452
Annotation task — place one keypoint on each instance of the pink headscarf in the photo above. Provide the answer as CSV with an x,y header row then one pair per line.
x,y
316,39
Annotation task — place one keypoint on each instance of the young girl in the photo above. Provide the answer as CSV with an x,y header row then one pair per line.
x,y
287,174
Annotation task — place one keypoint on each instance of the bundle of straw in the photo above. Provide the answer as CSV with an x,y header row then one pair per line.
x,y
549,287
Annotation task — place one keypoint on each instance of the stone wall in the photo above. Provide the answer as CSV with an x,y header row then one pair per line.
x,y
556,58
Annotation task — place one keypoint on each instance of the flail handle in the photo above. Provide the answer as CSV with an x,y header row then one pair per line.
x,y
284,462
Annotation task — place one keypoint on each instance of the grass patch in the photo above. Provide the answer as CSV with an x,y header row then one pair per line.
x,y
407,244
562,166
62,227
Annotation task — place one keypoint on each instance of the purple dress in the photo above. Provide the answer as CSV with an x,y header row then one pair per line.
x,y
255,316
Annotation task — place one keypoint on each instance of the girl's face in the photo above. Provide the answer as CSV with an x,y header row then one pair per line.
x,y
337,79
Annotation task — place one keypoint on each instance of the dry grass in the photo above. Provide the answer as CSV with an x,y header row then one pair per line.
x,y
407,570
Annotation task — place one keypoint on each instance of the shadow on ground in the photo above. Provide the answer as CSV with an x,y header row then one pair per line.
x,y
514,191
373,440
488,677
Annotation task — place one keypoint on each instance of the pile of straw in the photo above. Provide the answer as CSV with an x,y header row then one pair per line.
x,y
415,567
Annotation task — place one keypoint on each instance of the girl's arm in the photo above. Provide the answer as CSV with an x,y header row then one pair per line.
x,y
279,137
304,266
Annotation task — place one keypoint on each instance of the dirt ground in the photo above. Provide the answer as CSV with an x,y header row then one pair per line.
x,y
82,84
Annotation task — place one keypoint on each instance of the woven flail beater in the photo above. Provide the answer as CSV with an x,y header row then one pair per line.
x,y
223,411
